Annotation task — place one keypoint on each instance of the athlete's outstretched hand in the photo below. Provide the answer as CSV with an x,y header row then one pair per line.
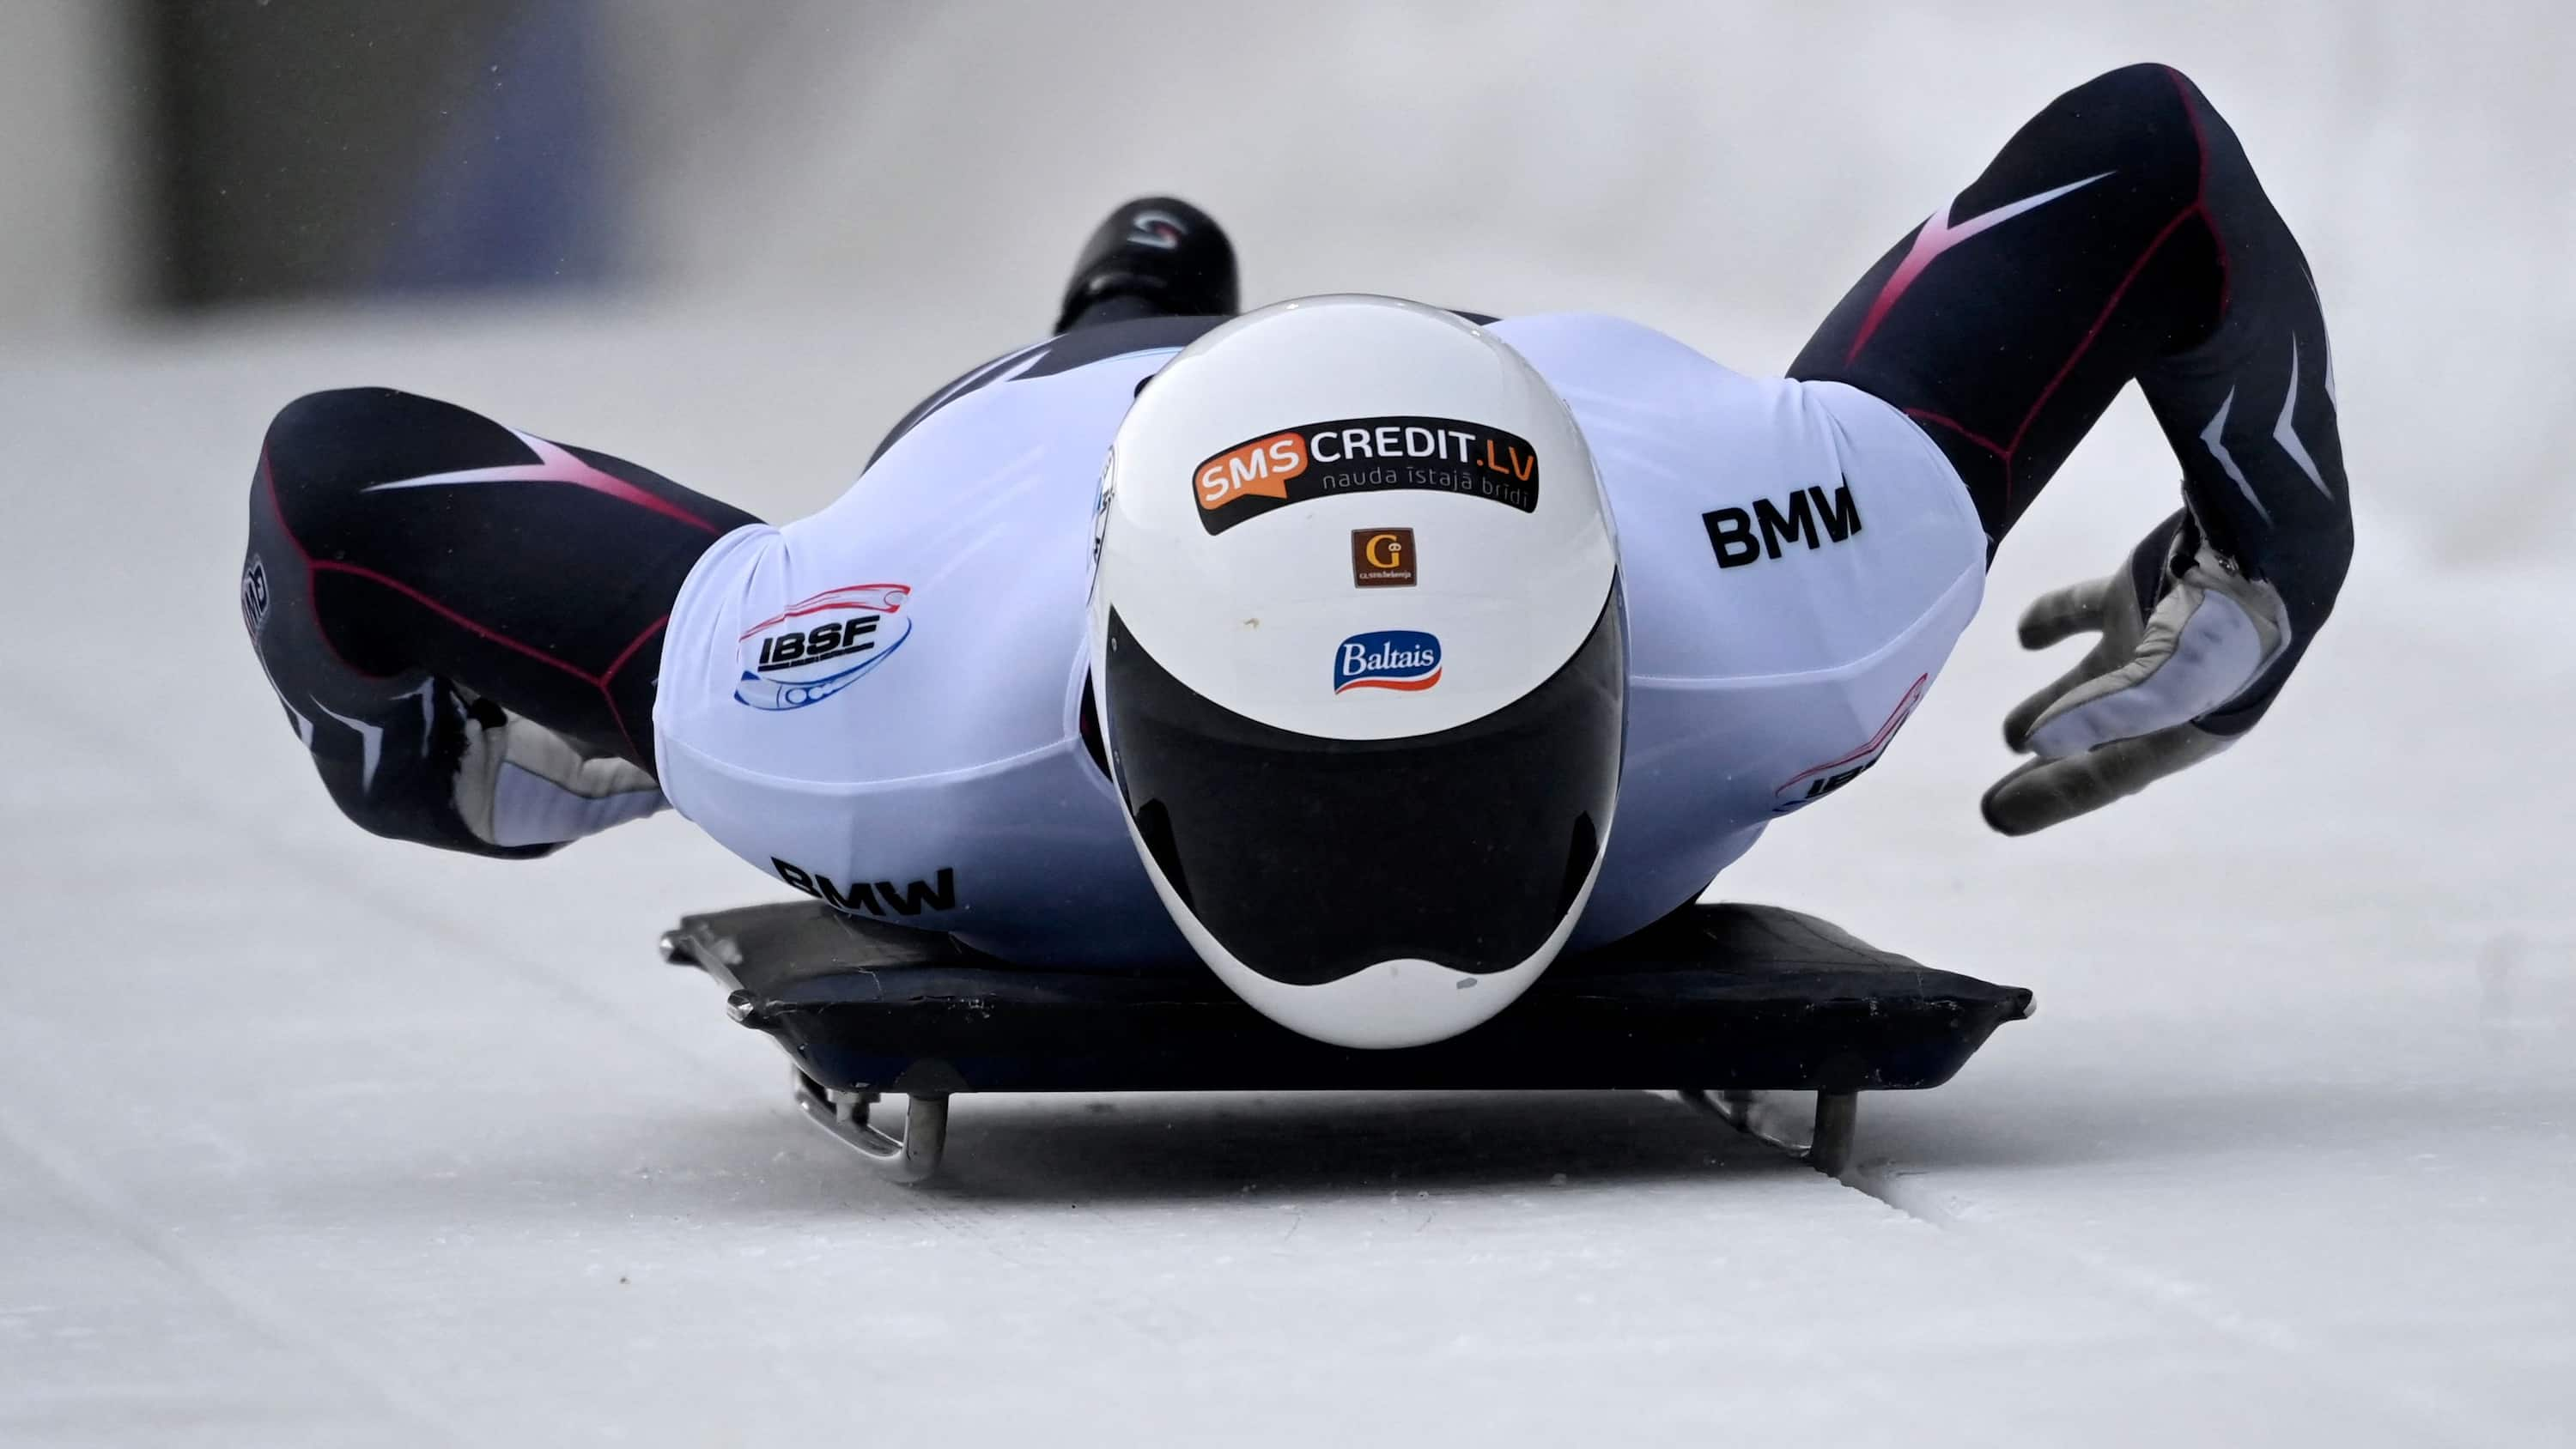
x,y
2178,641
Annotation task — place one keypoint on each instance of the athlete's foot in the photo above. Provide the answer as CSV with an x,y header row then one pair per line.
x,y
1156,256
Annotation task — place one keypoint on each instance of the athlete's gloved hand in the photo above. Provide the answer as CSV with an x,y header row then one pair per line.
x,y
445,767
520,784
2179,640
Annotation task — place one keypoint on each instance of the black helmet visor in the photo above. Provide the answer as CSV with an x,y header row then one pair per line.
x,y
1310,859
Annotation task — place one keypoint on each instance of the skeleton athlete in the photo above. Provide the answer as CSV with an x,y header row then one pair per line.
x,y
1365,650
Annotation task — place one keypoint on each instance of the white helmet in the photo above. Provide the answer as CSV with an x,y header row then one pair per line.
x,y
1360,662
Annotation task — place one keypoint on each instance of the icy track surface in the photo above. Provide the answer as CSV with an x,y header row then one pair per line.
x,y
311,1139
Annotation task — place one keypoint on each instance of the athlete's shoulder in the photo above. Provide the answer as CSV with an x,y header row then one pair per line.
x,y
1814,509
926,622
1574,341
1054,357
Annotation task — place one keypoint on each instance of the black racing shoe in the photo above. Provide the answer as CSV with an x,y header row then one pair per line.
x,y
1156,256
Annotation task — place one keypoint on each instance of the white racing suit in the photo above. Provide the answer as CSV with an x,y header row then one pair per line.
x,y
883,704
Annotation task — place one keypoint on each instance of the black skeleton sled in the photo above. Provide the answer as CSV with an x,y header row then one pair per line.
x,y
1725,1003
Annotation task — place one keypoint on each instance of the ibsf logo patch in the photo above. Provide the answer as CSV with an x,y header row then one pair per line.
x,y
818,646
1387,659
1817,781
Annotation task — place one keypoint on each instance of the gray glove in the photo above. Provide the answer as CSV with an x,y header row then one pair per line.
x,y
2123,718
521,784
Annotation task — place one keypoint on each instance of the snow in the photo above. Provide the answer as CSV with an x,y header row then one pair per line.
x,y
309,1138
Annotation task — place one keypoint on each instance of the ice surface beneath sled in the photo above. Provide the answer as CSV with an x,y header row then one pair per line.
x,y
307,1138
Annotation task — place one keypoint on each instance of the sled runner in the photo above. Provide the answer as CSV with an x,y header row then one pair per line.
x,y
1723,1001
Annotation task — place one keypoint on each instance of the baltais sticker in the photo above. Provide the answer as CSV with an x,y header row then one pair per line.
x,y
1406,659
1365,455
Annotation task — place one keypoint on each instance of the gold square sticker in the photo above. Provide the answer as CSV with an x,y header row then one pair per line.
x,y
1382,558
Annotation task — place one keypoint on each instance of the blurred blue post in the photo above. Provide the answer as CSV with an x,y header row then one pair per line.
x,y
518,191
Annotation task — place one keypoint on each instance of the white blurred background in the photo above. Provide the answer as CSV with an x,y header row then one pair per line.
x,y
307,1137
1720,170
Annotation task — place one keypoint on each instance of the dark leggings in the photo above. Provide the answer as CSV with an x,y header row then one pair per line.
x,y
413,566
402,547
2119,236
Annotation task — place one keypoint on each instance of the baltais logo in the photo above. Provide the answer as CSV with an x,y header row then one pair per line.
x,y
1365,455
1387,659
818,646
1382,558
1258,469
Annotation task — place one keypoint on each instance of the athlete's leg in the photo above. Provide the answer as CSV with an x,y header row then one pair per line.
x,y
416,573
2120,235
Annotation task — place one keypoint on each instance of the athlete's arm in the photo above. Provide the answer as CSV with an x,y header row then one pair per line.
x,y
464,621
2122,235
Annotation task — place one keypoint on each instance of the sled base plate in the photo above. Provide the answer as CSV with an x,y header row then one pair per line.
x,y
1716,999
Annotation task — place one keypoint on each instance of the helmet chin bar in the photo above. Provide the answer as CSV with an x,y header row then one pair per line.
x,y
1397,1003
